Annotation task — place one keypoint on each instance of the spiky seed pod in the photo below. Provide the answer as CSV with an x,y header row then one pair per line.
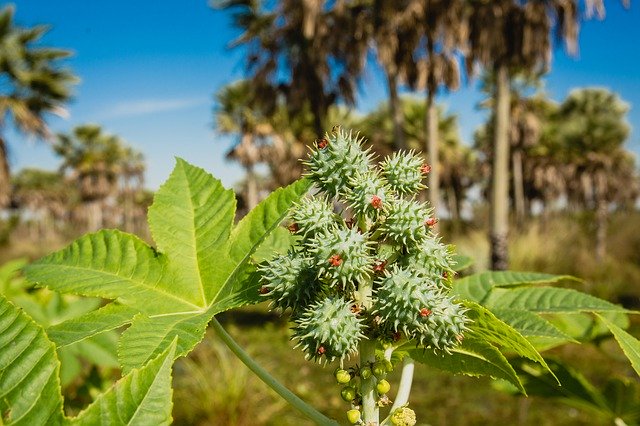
x,y
328,329
403,171
342,156
432,260
342,256
405,222
443,328
406,302
289,282
368,194
403,416
312,215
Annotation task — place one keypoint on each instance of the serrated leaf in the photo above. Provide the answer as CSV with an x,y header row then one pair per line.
x,y
192,230
142,397
252,230
29,371
149,336
574,386
477,287
474,357
108,317
204,266
530,324
629,344
486,326
548,299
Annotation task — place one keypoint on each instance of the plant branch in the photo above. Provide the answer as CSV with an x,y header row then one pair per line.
x,y
406,379
270,381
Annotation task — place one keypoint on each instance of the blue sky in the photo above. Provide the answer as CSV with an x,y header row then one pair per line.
x,y
149,70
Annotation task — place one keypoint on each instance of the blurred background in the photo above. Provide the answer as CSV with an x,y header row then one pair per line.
x,y
525,110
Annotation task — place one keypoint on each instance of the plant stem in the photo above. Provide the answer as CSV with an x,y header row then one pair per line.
x,y
370,410
404,387
270,381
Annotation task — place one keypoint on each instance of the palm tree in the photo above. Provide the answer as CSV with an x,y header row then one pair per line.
x,y
506,36
96,161
592,129
33,86
308,52
44,198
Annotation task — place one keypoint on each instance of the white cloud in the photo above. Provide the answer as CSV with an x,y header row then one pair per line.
x,y
151,106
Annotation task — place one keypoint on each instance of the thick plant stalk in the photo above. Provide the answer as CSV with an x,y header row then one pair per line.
x,y
370,410
404,387
270,381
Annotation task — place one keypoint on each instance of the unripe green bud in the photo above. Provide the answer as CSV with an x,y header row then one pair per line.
x,y
353,416
348,393
342,377
365,372
379,370
383,386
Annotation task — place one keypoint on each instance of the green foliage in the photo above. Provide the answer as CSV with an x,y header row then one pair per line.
x,y
200,266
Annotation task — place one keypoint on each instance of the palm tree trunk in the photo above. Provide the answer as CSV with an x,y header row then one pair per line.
x,y
252,189
499,221
518,186
431,126
602,216
5,177
395,108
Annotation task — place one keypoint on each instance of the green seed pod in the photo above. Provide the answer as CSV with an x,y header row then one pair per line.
x,y
354,416
379,370
406,302
365,372
405,222
342,377
312,215
328,328
367,194
342,256
432,260
338,157
403,172
289,281
403,416
348,393
383,386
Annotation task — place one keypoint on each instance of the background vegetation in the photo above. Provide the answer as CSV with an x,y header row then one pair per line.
x,y
545,186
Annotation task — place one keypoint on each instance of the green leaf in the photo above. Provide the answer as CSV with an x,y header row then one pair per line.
x,y
262,220
461,262
203,266
548,299
474,357
477,287
149,336
629,344
109,317
190,221
486,326
142,397
530,324
29,371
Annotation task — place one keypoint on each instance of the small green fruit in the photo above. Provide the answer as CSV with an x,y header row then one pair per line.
x,y
388,366
342,376
383,387
348,393
379,369
353,416
365,372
